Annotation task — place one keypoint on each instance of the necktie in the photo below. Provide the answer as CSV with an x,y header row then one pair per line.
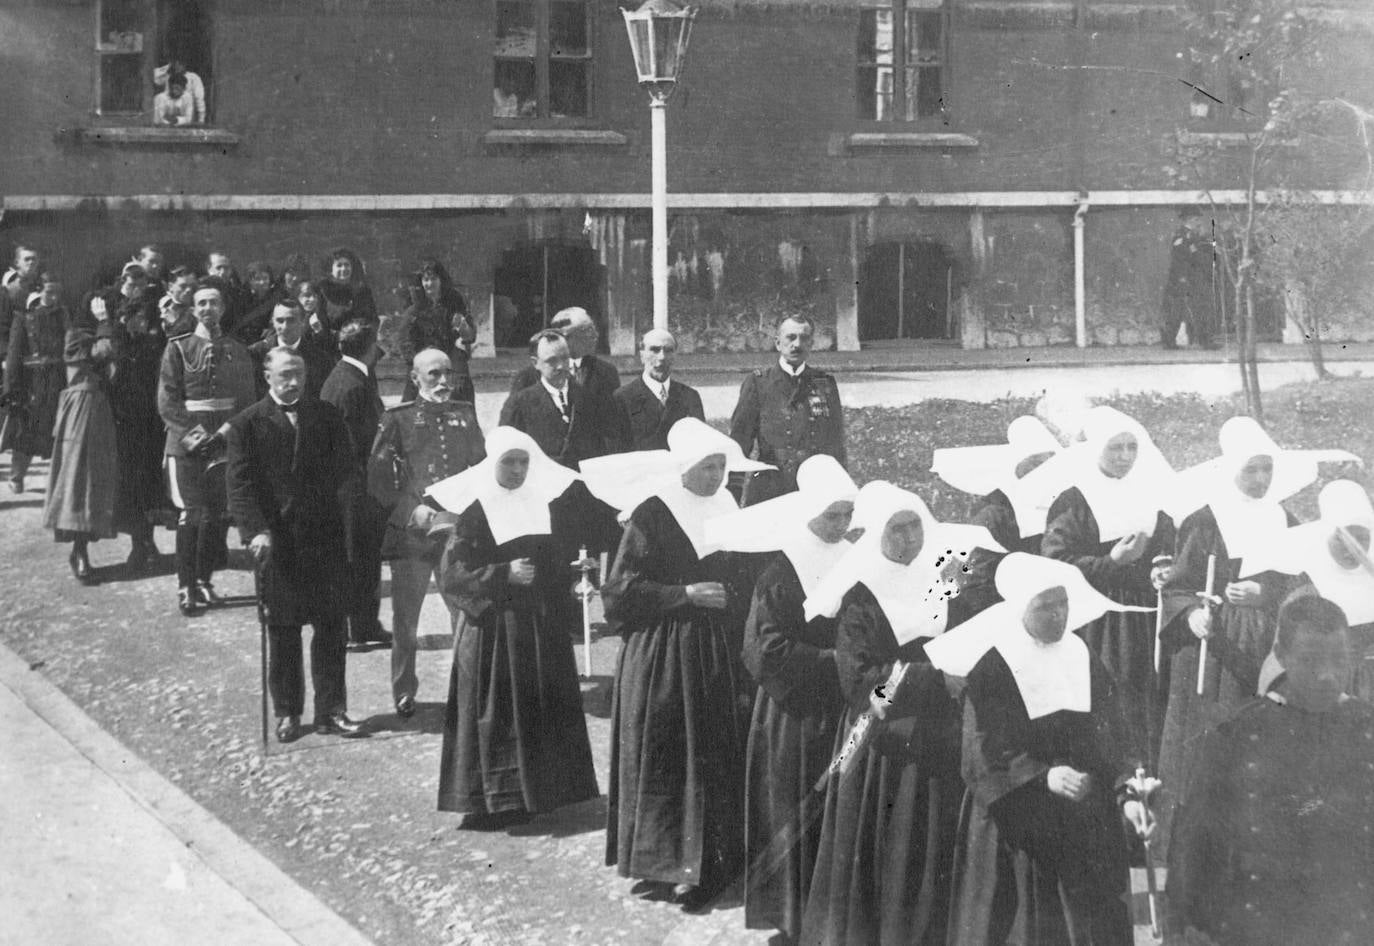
x,y
663,394
563,407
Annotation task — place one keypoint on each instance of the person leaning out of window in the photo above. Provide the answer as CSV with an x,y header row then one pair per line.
x,y
175,106
195,89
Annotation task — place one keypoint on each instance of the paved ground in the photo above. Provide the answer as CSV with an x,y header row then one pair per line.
x,y
94,839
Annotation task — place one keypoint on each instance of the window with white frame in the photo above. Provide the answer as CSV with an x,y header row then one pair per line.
x,y
543,59
139,46
902,63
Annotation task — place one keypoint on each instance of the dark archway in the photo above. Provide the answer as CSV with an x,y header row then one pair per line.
x,y
538,279
907,290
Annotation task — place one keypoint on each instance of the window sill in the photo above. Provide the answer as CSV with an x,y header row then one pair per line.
x,y
555,137
909,139
157,135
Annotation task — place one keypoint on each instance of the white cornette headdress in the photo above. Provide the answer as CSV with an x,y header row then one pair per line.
x,y
1051,677
1307,548
1247,524
980,470
510,513
1121,505
914,597
781,524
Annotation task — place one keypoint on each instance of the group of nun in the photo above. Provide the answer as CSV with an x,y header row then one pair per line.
x,y
896,730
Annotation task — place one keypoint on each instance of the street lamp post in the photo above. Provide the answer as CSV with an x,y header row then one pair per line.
x,y
659,31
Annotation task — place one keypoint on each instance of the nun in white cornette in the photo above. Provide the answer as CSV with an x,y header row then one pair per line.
x,y
515,739
675,815
882,872
1229,511
1011,512
1108,521
1332,554
1041,857
798,705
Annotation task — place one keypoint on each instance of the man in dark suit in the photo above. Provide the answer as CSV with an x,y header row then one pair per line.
x,y
288,331
790,411
352,388
597,377
651,404
555,411
290,480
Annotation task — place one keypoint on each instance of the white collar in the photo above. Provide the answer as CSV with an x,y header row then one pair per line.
x,y
787,369
553,391
278,401
355,363
692,512
811,558
1050,677
655,386
576,362
295,347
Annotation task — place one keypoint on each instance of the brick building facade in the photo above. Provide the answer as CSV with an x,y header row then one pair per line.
x,y
935,199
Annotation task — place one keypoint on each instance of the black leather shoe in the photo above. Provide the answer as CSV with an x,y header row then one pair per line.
x,y
188,602
81,567
691,898
208,594
339,725
288,729
405,706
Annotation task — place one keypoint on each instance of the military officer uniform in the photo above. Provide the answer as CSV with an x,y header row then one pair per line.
x,y
202,383
419,444
789,417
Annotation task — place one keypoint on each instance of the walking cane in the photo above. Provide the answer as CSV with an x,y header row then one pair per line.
x,y
1144,787
262,646
585,589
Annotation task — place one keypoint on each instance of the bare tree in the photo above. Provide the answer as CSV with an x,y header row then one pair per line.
x,y
1255,67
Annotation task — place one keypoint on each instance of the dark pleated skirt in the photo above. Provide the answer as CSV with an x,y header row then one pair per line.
x,y
515,738
884,863
787,753
677,756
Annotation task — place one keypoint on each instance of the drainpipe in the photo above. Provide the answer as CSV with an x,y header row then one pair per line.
x,y
1080,294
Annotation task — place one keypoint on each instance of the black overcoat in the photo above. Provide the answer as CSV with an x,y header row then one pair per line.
x,y
294,482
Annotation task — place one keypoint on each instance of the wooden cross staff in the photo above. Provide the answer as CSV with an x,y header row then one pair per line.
x,y
1208,599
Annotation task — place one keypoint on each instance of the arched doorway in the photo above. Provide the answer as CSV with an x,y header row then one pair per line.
x,y
538,279
907,290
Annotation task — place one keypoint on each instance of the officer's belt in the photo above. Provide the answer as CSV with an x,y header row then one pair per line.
x,y
210,405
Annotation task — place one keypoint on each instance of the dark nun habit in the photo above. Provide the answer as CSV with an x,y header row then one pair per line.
x,y
1032,867
882,873
515,738
675,812
1233,527
1090,515
798,705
